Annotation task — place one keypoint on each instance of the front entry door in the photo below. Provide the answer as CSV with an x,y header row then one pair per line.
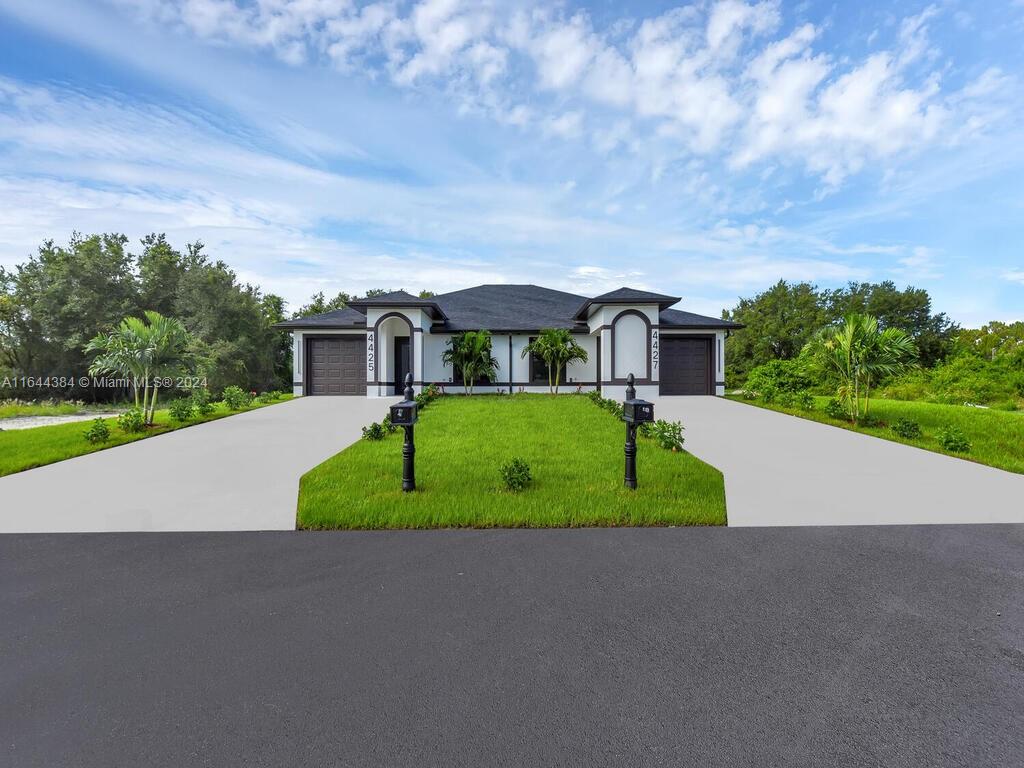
x,y
403,362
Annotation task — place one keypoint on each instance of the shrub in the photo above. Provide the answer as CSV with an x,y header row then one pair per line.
x,y
182,409
236,398
515,473
777,376
98,432
669,434
836,410
131,421
265,398
952,439
374,432
908,429
201,401
427,395
804,401
388,426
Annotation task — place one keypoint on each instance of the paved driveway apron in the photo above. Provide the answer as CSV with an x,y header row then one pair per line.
x,y
237,473
783,470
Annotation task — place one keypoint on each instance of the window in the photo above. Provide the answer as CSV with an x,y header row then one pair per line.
x,y
539,369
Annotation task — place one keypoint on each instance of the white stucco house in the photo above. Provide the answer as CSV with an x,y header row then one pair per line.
x,y
367,348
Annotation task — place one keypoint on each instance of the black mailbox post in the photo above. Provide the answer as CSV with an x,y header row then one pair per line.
x,y
404,414
634,413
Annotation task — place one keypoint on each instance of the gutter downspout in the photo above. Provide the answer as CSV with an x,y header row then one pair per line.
x,y
510,363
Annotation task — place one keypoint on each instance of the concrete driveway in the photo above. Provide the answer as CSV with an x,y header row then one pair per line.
x,y
783,470
239,473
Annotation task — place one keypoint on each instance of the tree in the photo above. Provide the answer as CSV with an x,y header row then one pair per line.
x,y
317,305
470,354
859,353
142,351
557,348
779,323
909,310
59,299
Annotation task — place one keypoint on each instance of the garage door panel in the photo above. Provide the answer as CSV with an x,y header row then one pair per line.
x,y
685,366
337,366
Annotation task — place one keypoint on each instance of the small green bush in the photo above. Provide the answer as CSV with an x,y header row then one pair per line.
x,y
131,421
669,434
427,395
236,398
908,429
952,439
775,377
388,426
98,432
803,400
836,410
202,402
374,432
515,473
182,409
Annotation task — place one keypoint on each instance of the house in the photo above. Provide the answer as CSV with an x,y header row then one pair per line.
x,y
367,348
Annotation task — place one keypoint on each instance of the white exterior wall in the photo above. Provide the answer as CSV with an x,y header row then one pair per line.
x,y
630,340
382,357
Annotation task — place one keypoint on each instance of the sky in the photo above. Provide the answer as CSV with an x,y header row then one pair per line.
x,y
705,150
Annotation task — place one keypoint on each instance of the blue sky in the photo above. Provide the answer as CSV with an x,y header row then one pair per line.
x,y
705,150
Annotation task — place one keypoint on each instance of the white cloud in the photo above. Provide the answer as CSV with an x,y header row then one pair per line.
x,y
1014,276
566,126
704,79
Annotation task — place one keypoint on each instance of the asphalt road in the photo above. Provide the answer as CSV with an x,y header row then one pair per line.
x,y
886,646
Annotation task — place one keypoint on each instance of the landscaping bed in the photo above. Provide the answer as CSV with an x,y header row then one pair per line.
x,y
574,451
996,437
36,447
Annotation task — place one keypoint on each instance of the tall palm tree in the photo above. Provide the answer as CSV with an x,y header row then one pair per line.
x,y
557,348
470,353
142,351
859,354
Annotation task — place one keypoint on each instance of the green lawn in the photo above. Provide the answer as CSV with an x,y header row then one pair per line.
x,y
997,437
22,449
574,450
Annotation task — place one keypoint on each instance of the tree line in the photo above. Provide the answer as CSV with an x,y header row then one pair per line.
x,y
783,319
952,365
63,296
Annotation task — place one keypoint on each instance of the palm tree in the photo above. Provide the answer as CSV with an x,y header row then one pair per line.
x,y
859,354
557,348
470,353
142,351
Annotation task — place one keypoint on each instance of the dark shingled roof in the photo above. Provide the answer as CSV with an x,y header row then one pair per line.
x,y
399,299
509,308
338,318
627,296
677,318
504,308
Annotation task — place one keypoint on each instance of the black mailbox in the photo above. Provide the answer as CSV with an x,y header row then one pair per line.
x,y
636,411
404,414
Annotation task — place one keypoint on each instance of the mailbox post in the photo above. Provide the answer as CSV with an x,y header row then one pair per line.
x,y
404,414
634,412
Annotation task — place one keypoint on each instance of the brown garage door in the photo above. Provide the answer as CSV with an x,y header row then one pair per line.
x,y
337,365
685,366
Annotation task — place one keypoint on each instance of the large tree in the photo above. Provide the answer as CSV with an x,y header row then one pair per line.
x,y
62,297
779,322
909,310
